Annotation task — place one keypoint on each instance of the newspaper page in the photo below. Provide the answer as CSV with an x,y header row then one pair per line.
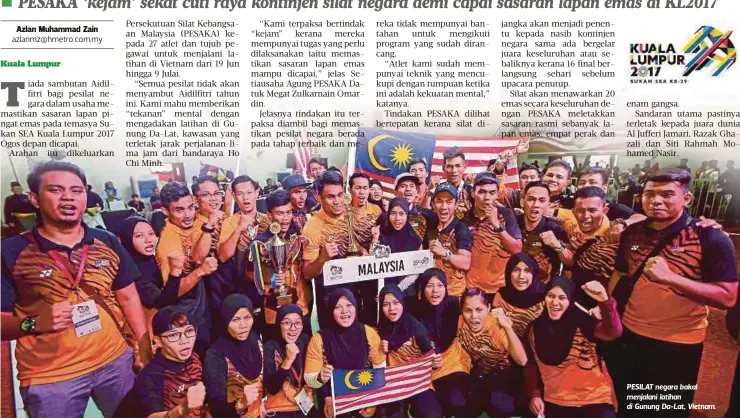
x,y
181,170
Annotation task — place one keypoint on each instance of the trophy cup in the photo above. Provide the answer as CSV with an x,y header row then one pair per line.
x,y
276,250
352,248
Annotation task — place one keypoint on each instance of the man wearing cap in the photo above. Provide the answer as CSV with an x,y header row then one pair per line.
x,y
171,385
297,188
421,219
16,203
451,241
496,235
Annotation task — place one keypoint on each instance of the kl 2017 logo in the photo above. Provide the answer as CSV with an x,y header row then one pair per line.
x,y
709,47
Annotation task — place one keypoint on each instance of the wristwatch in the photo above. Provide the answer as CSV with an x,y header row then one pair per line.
x,y
28,324
499,229
448,255
208,230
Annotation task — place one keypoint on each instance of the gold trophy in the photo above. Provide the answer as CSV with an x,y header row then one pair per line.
x,y
278,253
352,248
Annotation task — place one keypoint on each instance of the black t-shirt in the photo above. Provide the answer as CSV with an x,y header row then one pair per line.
x,y
546,257
618,211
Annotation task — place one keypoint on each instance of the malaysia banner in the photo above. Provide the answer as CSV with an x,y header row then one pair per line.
x,y
357,389
384,154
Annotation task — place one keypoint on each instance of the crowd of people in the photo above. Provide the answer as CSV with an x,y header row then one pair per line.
x,y
540,303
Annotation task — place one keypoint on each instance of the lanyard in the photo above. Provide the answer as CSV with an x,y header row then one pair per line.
x,y
65,270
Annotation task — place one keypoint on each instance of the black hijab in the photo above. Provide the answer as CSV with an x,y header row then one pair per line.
x,y
441,320
244,355
553,339
345,348
532,295
403,240
399,332
147,264
301,342
374,182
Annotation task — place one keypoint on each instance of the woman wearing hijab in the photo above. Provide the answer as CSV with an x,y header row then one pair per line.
x,y
522,298
404,339
396,232
138,238
284,361
495,349
567,378
439,314
233,364
376,194
345,344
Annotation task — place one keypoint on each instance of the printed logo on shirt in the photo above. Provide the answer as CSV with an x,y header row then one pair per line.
x,y
102,263
678,249
45,273
635,247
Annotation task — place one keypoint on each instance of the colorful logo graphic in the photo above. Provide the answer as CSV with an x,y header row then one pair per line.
x,y
711,46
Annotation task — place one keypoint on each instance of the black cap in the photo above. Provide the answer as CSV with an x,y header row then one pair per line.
x,y
485,177
162,321
294,180
14,184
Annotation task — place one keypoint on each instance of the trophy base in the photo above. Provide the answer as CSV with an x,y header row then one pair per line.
x,y
277,299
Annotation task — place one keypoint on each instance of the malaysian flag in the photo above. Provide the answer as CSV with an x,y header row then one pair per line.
x,y
358,389
384,154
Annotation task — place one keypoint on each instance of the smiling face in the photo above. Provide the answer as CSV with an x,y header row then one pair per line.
x,y
556,179
209,197
521,276
397,218
62,198
332,199
475,313
435,291
344,312
291,327
241,324
392,307
144,239
557,302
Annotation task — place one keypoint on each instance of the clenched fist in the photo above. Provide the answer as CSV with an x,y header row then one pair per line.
x,y
384,346
549,238
214,218
595,290
196,396
251,393
55,318
657,270
209,265
176,261
325,374
330,250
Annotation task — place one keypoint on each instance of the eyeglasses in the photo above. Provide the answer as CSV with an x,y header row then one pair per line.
x,y
291,325
176,336
210,195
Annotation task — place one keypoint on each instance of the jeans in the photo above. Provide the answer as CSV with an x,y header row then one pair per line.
x,y
107,385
